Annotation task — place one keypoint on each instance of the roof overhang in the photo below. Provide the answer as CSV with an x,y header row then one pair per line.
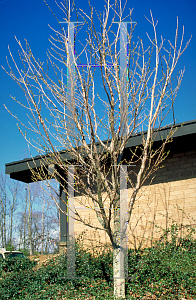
x,y
21,170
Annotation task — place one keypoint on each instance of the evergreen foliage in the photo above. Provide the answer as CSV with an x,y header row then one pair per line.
x,y
165,271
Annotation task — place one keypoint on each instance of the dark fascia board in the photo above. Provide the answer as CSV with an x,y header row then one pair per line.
x,y
185,128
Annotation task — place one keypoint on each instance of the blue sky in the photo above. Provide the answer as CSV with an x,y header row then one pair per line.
x,y
29,19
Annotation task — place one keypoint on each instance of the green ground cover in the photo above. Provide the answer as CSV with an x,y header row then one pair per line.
x,y
165,271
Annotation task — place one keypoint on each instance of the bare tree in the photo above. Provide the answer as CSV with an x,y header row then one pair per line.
x,y
3,208
136,91
14,188
9,190
22,221
43,218
35,227
29,222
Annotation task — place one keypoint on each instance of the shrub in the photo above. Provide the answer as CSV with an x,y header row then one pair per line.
x,y
16,264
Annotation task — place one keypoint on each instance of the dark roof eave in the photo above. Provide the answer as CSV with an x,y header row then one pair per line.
x,y
185,128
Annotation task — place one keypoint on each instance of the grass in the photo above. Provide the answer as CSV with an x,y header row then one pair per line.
x,y
165,271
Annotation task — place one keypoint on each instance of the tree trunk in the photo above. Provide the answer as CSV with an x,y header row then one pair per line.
x,y
43,219
24,222
118,259
2,240
29,225
11,224
42,250
119,279
4,224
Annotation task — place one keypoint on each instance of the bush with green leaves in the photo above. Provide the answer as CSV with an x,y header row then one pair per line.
x,y
167,270
16,264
